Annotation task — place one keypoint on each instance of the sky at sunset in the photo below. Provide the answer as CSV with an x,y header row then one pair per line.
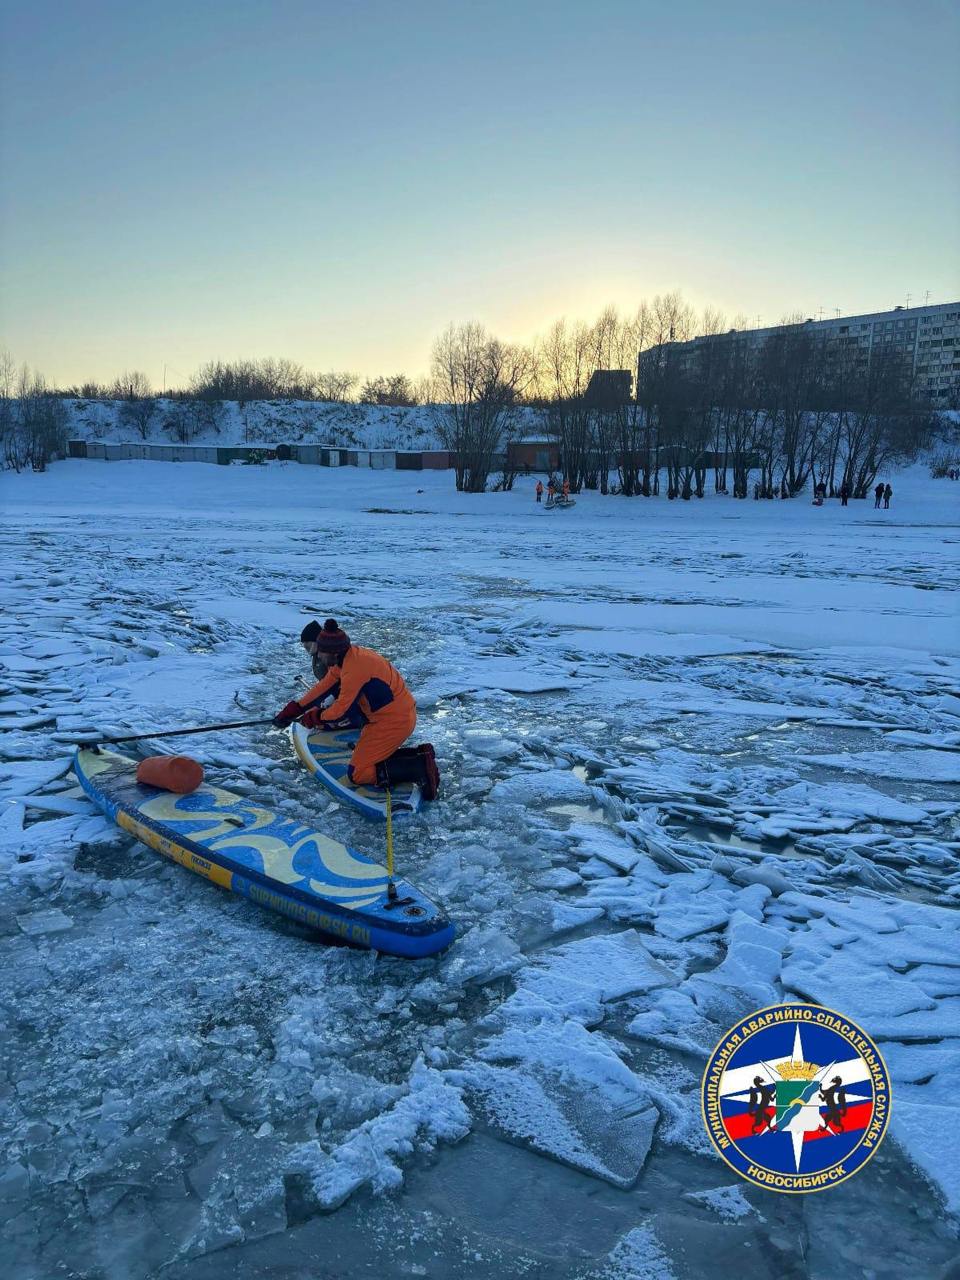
x,y
335,183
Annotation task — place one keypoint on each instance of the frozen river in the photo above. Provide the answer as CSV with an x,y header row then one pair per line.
x,y
698,758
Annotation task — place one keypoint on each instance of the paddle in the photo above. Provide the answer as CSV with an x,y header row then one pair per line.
x,y
179,733
212,728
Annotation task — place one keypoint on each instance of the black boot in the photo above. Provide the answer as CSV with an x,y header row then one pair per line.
x,y
402,769
410,765
428,756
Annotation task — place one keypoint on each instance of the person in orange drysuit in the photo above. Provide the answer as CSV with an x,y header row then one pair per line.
x,y
551,491
367,690
539,490
566,488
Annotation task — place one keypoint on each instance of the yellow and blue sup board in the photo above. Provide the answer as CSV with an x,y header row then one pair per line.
x,y
274,861
326,753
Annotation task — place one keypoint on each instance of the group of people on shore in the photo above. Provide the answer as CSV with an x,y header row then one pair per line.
x,y
881,495
553,489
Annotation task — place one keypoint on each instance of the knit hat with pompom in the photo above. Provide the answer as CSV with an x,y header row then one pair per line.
x,y
330,639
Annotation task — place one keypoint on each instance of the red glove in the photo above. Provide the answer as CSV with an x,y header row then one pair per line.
x,y
292,711
312,720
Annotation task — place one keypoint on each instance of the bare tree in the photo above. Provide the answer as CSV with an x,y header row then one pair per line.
x,y
790,371
131,386
661,394
8,407
422,390
337,387
890,424
395,390
89,391
563,374
246,380
840,394
179,422
33,420
480,381
138,413
736,419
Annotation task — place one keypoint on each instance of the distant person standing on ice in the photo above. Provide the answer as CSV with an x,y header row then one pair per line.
x,y
877,495
566,488
551,491
369,691
844,494
539,490
887,495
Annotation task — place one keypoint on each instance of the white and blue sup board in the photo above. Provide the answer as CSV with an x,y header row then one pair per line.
x,y
326,753
276,862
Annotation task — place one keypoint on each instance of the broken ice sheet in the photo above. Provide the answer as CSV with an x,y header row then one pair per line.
x,y
53,920
566,1117
601,968
809,807
919,765
543,1080
512,677
20,778
728,1203
431,1111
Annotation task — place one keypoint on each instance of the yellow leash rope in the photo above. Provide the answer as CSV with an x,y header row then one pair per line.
x,y
391,887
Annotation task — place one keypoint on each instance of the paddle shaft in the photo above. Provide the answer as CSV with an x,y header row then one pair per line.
x,y
179,733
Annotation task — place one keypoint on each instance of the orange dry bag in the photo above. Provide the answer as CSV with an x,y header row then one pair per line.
x,y
171,773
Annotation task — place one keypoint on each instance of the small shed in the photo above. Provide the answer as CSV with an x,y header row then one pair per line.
x,y
533,453
232,453
438,459
308,454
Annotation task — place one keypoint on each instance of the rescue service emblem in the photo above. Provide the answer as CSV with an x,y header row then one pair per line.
x,y
796,1098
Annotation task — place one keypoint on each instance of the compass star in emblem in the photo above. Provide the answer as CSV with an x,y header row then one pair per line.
x,y
798,1086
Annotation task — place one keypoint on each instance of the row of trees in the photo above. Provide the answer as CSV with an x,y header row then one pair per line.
x,y
795,410
33,420
248,380
790,410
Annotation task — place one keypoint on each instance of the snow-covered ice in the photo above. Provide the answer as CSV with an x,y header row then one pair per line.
x,y
697,758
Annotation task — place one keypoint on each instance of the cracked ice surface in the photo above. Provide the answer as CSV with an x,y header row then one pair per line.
x,y
697,758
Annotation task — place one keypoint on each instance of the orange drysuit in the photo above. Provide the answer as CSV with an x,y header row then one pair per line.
x,y
367,687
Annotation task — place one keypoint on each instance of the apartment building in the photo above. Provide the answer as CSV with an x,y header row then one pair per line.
x,y
929,337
